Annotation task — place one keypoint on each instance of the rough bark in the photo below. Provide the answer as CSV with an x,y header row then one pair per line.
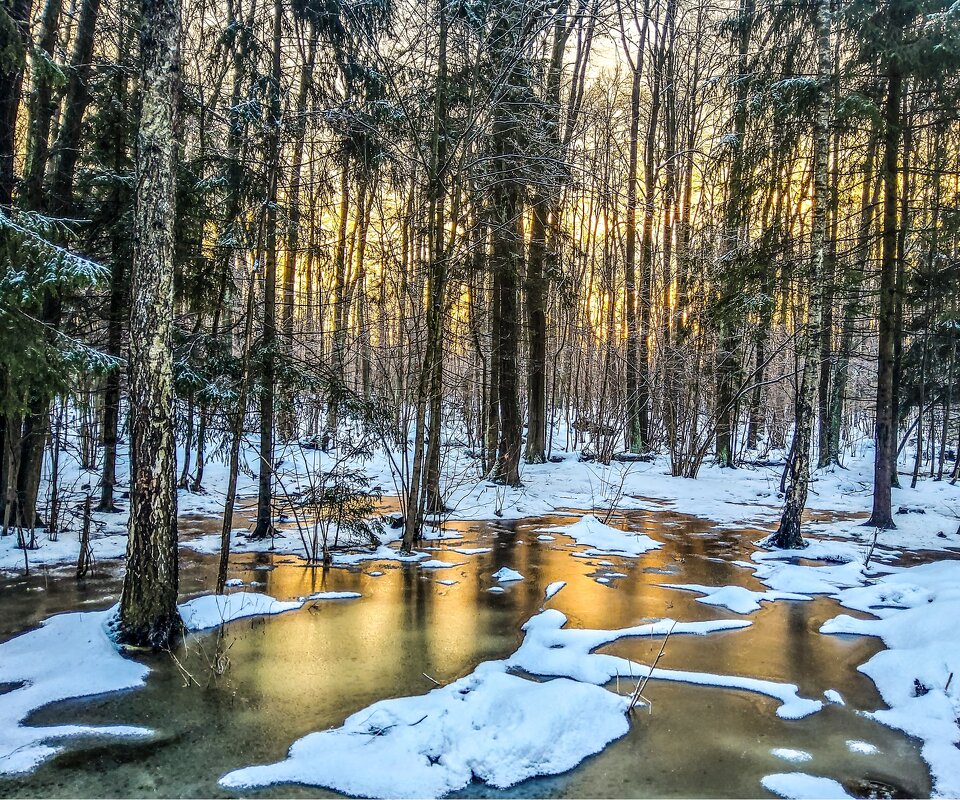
x,y
148,603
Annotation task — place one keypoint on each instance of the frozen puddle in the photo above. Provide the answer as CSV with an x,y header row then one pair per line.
x,y
550,649
494,726
68,656
73,655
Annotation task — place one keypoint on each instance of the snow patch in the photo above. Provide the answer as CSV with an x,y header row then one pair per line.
x,y
789,754
800,786
212,610
734,598
491,726
605,539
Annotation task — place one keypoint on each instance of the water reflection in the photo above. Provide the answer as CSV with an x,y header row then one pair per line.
x,y
307,670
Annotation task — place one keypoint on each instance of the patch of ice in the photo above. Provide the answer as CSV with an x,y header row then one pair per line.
x,y
789,754
434,563
496,590
471,551
550,649
800,786
735,598
857,746
552,589
833,696
505,575
233,583
334,596
545,538
447,582
605,539
381,553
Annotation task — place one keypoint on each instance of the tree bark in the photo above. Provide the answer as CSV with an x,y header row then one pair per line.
x,y
148,603
885,434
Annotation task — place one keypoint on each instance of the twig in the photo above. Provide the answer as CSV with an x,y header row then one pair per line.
x,y
642,683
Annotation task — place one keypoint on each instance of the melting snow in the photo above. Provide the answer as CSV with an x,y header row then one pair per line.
x,y
605,539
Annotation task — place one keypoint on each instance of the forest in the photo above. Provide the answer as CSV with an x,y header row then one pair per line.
x,y
321,301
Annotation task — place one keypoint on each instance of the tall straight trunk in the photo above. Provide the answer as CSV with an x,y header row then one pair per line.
x,y
423,491
635,442
236,438
59,203
148,602
788,534
11,82
886,446
264,525
545,208
337,333
853,288
225,246
293,215
42,106
66,149
645,267
119,293
506,252
830,289
726,359
903,227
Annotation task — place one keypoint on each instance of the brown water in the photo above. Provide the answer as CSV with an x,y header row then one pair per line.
x,y
307,670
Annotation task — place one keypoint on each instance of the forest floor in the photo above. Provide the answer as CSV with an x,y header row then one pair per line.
x,y
497,723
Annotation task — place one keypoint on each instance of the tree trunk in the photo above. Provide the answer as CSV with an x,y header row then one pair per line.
x,y
789,533
148,603
885,455
264,525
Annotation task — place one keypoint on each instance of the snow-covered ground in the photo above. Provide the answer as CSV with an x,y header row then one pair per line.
x,y
745,497
502,727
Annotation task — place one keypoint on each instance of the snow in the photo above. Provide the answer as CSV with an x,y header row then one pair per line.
x,y
68,656
833,696
789,754
436,564
552,589
802,579
800,786
496,590
447,582
334,596
505,575
605,539
490,725
734,598
212,610
549,649
917,609
856,746
471,551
